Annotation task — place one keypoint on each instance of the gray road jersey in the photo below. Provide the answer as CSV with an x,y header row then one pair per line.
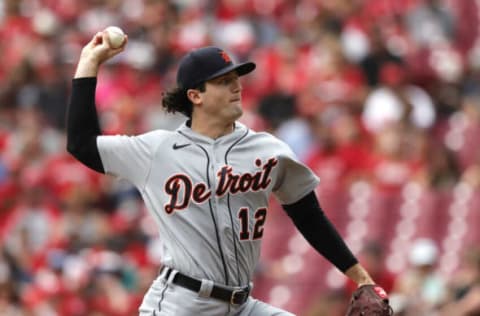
x,y
209,197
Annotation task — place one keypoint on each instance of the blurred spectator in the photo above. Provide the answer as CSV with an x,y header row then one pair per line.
x,y
421,285
277,108
441,172
334,79
396,100
82,224
111,297
340,152
396,157
431,23
332,303
378,55
463,129
9,299
464,296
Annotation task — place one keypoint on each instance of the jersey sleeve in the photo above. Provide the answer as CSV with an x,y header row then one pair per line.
x,y
295,180
129,157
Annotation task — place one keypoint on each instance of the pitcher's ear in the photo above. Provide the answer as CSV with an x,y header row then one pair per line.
x,y
194,96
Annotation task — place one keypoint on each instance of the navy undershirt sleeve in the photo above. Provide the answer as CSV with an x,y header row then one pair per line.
x,y
317,229
82,124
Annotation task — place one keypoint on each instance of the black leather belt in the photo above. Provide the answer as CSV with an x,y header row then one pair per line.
x,y
234,297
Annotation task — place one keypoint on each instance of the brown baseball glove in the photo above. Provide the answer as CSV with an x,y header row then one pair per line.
x,y
369,300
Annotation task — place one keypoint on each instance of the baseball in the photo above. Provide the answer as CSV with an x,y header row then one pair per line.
x,y
116,36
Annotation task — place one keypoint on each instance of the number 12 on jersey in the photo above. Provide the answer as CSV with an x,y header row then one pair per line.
x,y
260,217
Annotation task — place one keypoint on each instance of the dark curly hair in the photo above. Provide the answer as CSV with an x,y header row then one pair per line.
x,y
176,100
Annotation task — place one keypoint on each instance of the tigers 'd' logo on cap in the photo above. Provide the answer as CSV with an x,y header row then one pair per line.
x,y
225,57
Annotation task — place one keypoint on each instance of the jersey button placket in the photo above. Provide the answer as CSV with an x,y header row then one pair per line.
x,y
220,209
225,218
213,177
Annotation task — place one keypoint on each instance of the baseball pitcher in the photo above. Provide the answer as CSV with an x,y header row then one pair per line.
x,y
206,184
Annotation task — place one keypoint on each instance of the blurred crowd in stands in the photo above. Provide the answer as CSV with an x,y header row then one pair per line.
x,y
381,98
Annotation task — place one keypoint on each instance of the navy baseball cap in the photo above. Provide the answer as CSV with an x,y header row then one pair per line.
x,y
206,63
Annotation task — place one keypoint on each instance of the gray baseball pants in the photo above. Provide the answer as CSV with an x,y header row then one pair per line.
x,y
165,298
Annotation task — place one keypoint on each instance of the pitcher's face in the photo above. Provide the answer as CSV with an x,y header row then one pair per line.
x,y
223,97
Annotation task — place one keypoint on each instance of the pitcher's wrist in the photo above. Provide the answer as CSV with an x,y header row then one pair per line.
x,y
87,67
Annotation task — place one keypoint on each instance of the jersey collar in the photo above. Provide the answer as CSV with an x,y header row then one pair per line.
x,y
239,130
